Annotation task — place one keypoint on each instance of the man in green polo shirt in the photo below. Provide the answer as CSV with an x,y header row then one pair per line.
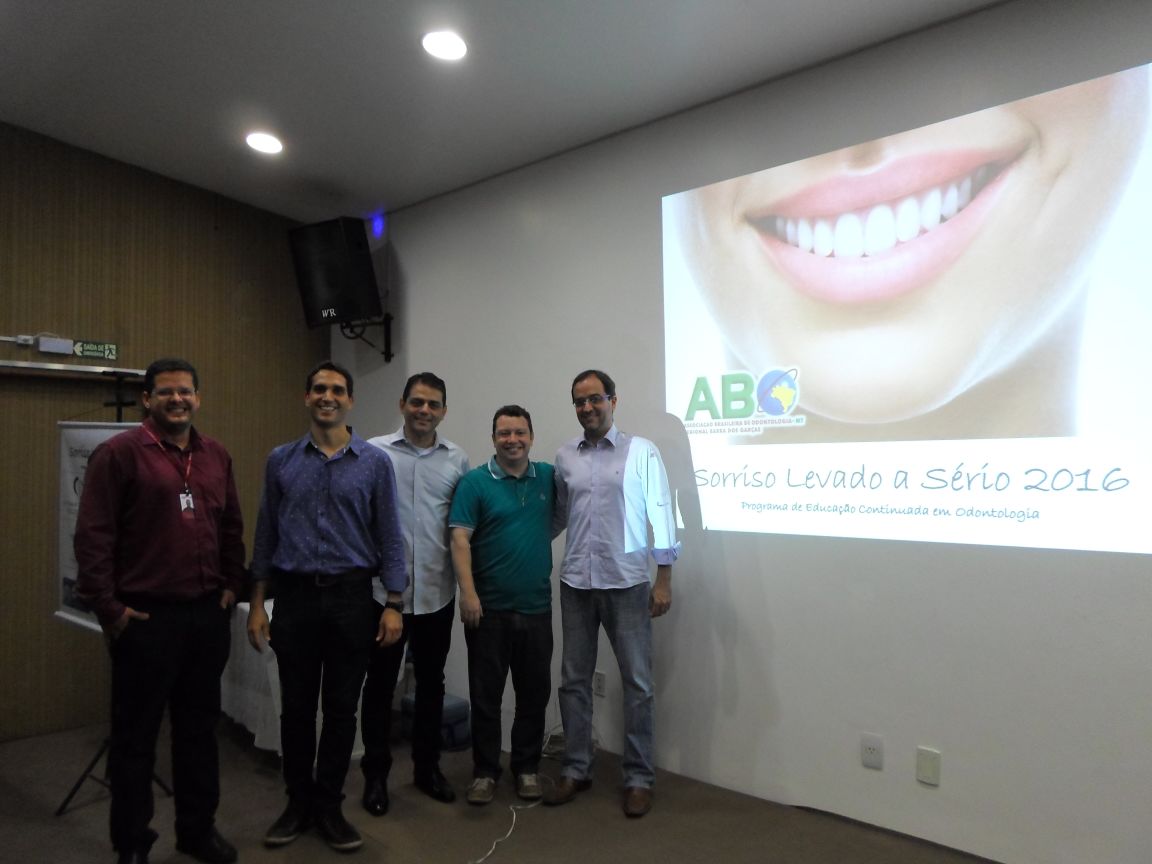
x,y
501,523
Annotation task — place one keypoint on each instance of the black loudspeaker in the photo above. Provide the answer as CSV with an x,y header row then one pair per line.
x,y
334,272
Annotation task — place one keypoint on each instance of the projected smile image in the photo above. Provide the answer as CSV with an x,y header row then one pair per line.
x,y
901,274
922,333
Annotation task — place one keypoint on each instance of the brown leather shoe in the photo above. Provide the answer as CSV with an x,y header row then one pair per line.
x,y
637,801
565,789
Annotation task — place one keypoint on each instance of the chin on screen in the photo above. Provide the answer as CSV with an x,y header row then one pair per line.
x,y
943,335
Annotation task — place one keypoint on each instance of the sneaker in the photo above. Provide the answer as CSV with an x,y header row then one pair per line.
x,y
336,830
482,791
287,828
528,787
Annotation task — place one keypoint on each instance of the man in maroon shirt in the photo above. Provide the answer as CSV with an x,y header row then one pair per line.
x,y
159,543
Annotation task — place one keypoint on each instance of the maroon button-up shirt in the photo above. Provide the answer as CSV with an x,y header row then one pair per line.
x,y
132,537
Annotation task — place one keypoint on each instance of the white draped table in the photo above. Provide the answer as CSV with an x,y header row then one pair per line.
x,y
250,685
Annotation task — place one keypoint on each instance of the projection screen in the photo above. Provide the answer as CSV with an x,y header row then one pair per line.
x,y
942,335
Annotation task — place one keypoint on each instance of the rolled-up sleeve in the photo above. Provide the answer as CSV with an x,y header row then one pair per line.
x,y
660,507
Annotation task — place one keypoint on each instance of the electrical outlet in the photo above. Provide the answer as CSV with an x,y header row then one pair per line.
x,y
928,766
872,751
599,685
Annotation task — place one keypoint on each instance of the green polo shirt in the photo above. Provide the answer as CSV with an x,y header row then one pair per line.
x,y
511,522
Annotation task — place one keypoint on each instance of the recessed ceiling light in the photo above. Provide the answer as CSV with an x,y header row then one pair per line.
x,y
264,142
444,45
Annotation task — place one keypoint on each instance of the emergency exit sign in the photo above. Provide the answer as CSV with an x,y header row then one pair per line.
x,y
101,350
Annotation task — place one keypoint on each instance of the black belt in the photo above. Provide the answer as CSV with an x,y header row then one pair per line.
x,y
324,580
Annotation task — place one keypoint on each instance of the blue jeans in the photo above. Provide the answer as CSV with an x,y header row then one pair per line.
x,y
626,619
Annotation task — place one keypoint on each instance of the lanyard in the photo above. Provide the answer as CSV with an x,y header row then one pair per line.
x,y
186,472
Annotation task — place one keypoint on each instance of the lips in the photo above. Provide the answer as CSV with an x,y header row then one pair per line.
x,y
865,238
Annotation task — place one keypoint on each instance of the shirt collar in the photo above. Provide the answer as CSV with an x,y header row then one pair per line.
x,y
610,436
398,437
354,445
158,435
499,473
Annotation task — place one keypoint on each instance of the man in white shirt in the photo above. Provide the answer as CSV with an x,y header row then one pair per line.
x,y
610,486
427,470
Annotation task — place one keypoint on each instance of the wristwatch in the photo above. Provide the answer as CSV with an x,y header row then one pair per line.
x,y
395,605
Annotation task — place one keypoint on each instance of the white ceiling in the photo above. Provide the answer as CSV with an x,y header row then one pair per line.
x,y
370,123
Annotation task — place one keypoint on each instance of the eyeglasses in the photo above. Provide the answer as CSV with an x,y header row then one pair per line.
x,y
594,399
418,403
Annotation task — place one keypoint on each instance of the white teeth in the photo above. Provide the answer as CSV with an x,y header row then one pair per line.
x,y
823,239
965,192
951,204
907,220
848,240
804,235
930,210
877,229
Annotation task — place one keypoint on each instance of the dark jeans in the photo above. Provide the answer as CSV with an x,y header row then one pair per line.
x,y
522,643
173,659
431,637
322,637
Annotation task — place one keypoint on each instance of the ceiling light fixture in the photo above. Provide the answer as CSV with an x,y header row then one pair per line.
x,y
264,143
444,45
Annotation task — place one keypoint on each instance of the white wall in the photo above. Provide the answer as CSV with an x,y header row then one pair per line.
x,y
1029,670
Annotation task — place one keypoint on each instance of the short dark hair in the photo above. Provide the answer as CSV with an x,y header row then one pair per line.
x,y
330,367
428,379
169,364
605,379
512,411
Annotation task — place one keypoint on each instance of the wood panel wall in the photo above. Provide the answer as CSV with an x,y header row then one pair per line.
x,y
95,249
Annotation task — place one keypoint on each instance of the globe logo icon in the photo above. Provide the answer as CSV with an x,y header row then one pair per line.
x,y
777,392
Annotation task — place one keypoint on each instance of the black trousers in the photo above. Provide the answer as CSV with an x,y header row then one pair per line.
x,y
430,636
322,636
174,659
523,644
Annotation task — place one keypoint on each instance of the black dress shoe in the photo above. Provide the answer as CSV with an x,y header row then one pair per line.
x,y
210,848
375,798
336,830
434,785
287,828
139,854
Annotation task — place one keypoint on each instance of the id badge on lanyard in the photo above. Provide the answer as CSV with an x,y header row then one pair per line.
x,y
186,503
